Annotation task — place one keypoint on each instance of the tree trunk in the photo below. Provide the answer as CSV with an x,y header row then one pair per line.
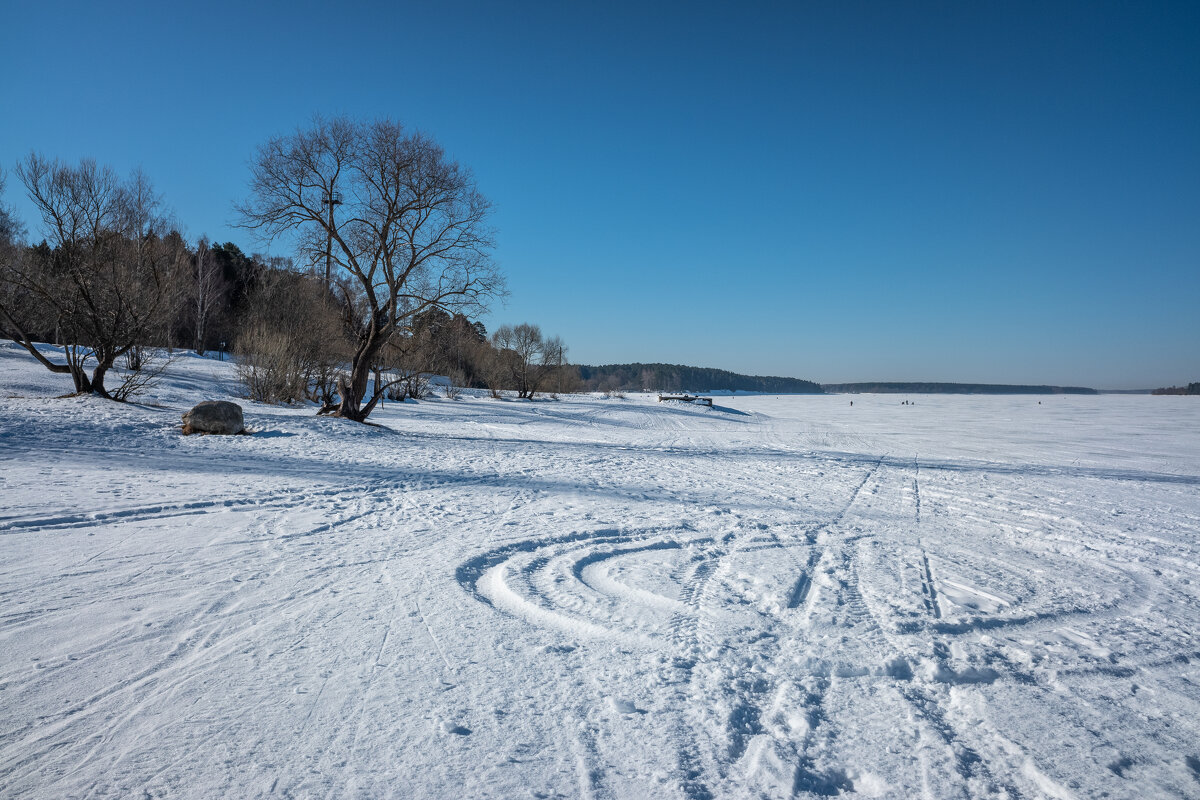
x,y
80,378
98,374
353,390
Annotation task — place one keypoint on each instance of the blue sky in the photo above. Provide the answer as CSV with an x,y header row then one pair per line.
x,y
1004,192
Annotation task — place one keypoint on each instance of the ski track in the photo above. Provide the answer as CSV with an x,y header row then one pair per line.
x,y
605,599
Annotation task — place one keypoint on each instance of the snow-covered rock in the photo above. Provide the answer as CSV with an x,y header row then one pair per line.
x,y
214,416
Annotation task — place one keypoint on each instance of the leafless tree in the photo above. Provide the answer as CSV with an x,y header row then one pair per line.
x,y
208,292
408,232
565,380
526,359
11,234
437,343
101,279
496,369
12,257
11,230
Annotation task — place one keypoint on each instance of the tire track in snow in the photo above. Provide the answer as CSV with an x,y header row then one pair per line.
x,y
210,633
156,511
803,585
745,735
685,641
548,580
747,701
1061,663
925,699
928,587
508,577
809,743
899,654
972,750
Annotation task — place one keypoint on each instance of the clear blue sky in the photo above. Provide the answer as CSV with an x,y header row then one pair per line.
x,y
837,191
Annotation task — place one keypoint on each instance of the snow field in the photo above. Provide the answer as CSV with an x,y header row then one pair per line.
x,y
778,597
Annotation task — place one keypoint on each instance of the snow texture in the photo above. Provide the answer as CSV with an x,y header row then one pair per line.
x,y
777,597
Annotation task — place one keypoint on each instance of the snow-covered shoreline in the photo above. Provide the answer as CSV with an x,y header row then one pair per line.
x,y
973,596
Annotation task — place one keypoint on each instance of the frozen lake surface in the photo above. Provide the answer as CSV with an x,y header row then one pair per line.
x,y
778,597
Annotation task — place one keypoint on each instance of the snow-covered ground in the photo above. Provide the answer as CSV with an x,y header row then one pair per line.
x,y
778,597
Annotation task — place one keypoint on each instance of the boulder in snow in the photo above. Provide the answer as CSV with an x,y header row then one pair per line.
x,y
214,416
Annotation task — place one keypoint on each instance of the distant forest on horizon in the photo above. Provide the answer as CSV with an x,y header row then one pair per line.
x,y
679,378
1191,388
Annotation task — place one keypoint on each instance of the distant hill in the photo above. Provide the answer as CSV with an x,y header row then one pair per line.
x,y
680,378
950,388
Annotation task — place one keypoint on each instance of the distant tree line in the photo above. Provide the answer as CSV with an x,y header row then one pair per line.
x,y
396,244
951,388
679,378
1191,388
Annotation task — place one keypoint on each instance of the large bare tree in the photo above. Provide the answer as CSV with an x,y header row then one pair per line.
x,y
100,279
404,227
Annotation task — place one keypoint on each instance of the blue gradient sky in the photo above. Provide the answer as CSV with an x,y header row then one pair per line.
x,y
1003,191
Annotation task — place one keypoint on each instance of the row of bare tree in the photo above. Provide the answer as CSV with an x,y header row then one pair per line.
x,y
399,230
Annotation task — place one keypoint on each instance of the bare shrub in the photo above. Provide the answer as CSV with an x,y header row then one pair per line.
x,y
401,385
270,366
457,379
291,346
142,372
417,385
136,358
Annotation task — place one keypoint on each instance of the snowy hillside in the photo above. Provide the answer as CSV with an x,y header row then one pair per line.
x,y
971,596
